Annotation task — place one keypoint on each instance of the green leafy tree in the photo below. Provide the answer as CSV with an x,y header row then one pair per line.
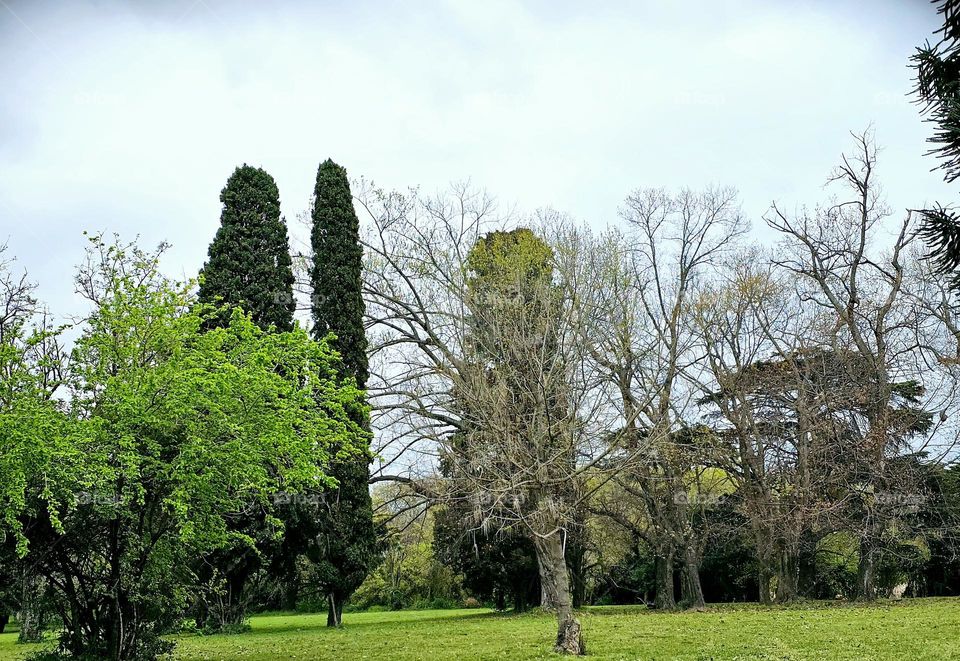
x,y
347,547
249,263
249,266
170,434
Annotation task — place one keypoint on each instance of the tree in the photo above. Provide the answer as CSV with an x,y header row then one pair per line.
x,y
498,568
347,541
877,330
248,264
642,286
487,371
170,434
937,91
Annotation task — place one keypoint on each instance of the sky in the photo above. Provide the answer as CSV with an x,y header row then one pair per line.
x,y
128,117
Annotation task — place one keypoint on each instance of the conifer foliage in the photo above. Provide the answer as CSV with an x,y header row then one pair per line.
x,y
248,262
348,541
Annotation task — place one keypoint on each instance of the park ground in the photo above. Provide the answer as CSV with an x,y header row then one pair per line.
x,y
911,629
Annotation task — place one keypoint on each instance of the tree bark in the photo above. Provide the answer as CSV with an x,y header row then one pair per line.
x,y
787,577
334,610
763,585
691,588
663,565
867,571
556,586
30,617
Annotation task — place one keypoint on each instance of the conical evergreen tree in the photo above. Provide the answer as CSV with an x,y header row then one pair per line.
x,y
348,547
248,262
248,266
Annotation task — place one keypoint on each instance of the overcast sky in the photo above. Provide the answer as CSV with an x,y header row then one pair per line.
x,y
129,116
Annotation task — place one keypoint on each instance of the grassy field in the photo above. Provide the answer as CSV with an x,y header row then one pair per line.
x,y
912,629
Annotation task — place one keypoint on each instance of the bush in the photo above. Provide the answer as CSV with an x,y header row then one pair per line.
x,y
470,602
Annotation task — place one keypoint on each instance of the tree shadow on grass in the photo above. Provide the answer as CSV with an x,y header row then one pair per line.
x,y
350,624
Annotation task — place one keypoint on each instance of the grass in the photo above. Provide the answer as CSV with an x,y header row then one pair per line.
x,y
912,629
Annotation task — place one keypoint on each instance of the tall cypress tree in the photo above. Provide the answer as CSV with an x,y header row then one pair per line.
x,y
348,540
249,261
248,266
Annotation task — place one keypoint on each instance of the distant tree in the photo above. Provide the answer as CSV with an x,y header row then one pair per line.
x,y
346,547
937,91
500,568
248,264
873,307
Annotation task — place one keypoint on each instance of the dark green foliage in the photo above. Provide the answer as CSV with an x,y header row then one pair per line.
x,y
336,271
500,569
941,231
249,263
248,266
937,88
728,570
937,91
348,545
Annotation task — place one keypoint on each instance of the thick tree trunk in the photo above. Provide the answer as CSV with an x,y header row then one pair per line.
x,y
663,566
556,586
691,588
787,577
4,619
334,610
867,571
763,584
30,617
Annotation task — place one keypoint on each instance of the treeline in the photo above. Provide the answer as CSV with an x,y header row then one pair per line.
x,y
197,454
644,406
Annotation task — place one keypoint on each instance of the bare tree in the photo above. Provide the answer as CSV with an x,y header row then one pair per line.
x,y
484,372
874,330
644,284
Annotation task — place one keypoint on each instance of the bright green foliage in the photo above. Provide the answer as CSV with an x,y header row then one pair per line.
x,y
249,263
40,458
171,433
347,546
502,260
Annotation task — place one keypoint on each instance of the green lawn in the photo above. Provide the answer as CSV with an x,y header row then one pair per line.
x,y
912,629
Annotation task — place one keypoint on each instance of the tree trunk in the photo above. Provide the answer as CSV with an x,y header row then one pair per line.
x,y
334,610
691,588
763,585
3,621
30,617
787,577
291,595
867,571
663,564
556,586
578,584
